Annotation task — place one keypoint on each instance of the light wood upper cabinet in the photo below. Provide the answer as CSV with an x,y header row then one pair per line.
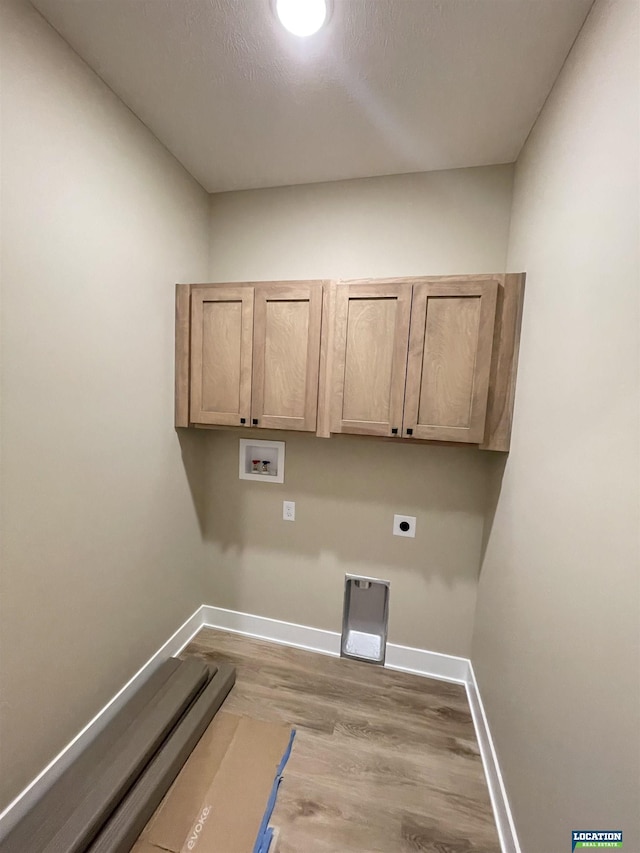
x,y
221,355
254,354
371,334
414,358
286,356
449,363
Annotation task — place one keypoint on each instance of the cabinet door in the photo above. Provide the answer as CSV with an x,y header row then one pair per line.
x,y
449,360
286,355
371,334
221,352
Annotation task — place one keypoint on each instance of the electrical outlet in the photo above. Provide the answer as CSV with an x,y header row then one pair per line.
x,y
289,510
404,525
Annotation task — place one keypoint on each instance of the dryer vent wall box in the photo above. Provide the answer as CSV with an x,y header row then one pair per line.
x,y
365,618
262,460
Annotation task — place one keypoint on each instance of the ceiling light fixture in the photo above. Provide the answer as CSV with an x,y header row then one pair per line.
x,y
302,17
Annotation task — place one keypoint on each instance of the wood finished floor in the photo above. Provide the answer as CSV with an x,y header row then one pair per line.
x,y
383,762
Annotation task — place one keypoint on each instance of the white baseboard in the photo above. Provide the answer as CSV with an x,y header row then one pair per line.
x,y
495,783
402,658
428,664
262,628
56,767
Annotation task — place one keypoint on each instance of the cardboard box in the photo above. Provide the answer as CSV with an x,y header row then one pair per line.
x,y
218,800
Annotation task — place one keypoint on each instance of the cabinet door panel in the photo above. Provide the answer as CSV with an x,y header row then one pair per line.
x,y
370,353
221,349
450,360
286,356
447,377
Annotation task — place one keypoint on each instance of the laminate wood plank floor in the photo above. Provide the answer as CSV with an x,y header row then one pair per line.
x,y
383,761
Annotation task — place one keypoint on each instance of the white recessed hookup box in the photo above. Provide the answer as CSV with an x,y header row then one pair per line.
x,y
262,460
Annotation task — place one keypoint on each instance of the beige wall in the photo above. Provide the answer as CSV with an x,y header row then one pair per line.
x,y
556,638
100,543
347,489
435,223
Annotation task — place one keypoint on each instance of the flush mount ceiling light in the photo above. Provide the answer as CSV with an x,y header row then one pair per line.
x,y
302,17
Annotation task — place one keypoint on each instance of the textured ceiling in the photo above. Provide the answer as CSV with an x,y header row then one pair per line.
x,y
389,86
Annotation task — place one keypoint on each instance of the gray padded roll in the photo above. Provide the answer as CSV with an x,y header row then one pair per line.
x,y
133,750
92,798
129,819
57,800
